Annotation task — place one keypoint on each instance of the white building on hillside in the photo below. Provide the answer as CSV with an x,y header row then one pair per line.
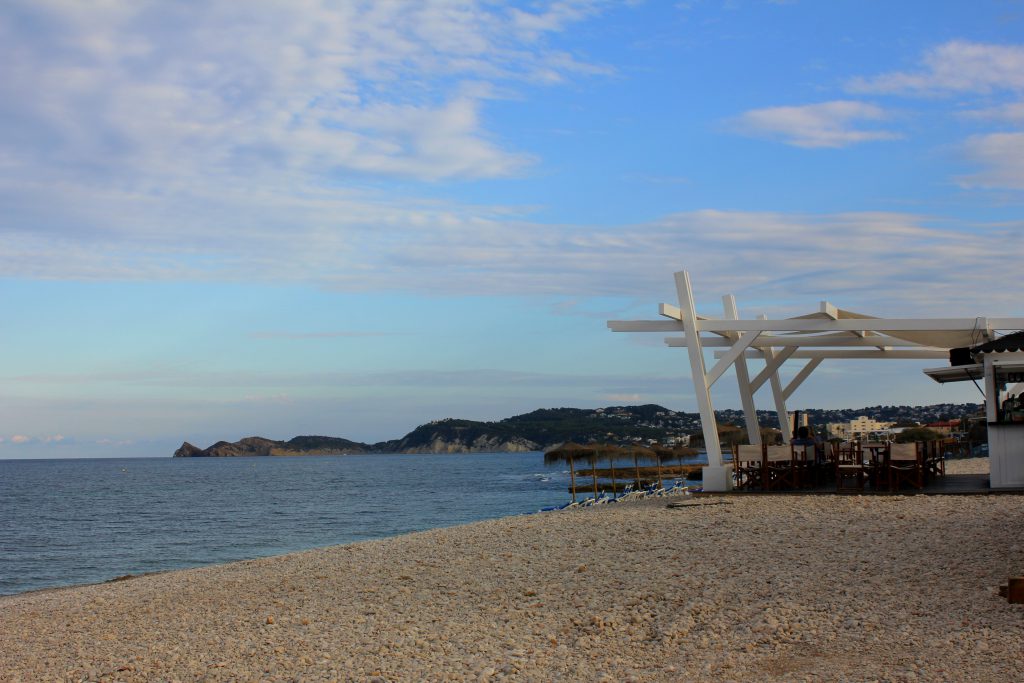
x,y
856,429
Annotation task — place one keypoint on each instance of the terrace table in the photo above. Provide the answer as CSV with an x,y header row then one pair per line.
x,y
877,464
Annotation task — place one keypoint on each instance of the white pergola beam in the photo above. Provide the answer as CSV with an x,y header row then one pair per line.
x,y
982,326
804,373
861,324
852,355
730,356
808,341
773,362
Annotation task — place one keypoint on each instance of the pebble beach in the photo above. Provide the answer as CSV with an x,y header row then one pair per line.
x,y
718,588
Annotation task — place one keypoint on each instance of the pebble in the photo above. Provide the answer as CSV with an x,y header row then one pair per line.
x,y
781,588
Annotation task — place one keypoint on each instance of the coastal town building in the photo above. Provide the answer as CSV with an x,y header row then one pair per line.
x,y
944,427
859,428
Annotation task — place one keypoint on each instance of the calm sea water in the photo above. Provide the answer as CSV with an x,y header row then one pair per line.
x,y
65,522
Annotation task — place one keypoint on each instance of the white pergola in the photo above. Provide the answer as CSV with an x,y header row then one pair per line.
x,y
828,333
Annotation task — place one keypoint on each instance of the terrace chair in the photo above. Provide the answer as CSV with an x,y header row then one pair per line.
x,y
849,466
935,464
907,465
747,463
876,463
810,472
778,469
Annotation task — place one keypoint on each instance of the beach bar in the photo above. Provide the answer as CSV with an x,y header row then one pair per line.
x,y
829,333
999,363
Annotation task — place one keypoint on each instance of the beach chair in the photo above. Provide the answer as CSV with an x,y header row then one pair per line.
x,y
935,463
808,464
906,465
747,462
876,463
851,472
778,470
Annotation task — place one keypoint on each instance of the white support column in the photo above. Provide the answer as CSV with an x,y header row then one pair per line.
x,y
717,477
743,380
780,401
991,391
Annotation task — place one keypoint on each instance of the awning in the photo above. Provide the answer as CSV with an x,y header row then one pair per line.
x,y
958,373
1005,371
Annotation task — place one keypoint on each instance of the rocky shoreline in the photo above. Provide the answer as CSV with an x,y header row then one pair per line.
x,y
755,588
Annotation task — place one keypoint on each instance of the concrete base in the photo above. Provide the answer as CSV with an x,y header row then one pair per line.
x,y
717,479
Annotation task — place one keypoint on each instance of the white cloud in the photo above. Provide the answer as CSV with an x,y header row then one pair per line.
x,y
623,398
554,18
20,438
1001,155
151,97
349,334
873,260
1012,112
827,124
954,67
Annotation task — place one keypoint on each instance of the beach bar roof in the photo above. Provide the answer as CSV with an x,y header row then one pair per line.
x,y
825,334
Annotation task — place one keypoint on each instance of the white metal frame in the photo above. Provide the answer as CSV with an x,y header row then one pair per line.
x,y
828,333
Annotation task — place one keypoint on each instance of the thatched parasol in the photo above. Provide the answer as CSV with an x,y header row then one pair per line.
x,y
570,452
639,453
677,453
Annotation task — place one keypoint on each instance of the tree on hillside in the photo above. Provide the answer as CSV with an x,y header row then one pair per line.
x,y
912,434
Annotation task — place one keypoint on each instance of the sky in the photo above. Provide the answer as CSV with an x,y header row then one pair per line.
x,y
224,219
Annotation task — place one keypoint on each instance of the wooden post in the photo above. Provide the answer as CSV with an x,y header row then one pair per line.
x,y
611,464
572,477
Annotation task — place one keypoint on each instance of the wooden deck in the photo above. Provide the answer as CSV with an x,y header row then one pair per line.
x,y
949,485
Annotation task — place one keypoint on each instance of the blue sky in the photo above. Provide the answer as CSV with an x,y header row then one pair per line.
x,y
221,219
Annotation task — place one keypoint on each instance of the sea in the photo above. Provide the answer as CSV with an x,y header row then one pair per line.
x,y
77,521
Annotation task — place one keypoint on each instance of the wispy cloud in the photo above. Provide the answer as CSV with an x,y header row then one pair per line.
x,y
1012,112
981,74
150,97
317,335
1002,157
20,439
459,379
838,123
884,261
957,66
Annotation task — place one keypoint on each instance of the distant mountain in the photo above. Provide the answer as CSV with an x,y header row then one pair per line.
x,y
549,427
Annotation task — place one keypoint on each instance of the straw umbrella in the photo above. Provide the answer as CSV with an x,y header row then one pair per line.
x,y
641,453
660,453
611,451
677,454
683,452
569,452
